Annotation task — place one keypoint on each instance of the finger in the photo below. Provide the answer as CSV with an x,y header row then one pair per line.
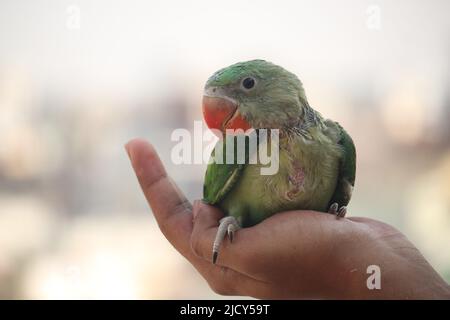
x,y
237,256
173,214
206,221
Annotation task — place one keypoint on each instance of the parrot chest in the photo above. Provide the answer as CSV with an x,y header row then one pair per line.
x,y
306,179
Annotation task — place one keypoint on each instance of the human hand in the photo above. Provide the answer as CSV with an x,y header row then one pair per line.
x,y
295,254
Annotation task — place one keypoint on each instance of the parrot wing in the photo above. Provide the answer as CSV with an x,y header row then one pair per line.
x,y
220,178
347,168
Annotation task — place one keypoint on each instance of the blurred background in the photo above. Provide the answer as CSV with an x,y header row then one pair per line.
x,y
78,79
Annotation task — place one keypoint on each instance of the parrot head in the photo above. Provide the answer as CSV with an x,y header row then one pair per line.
x,y
253,94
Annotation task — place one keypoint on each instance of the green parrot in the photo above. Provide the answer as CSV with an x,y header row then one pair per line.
x,y
316,156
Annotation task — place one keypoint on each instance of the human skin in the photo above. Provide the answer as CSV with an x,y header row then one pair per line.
x,y
291,255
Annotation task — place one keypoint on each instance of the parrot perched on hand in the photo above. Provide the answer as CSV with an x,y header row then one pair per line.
x,y
317,157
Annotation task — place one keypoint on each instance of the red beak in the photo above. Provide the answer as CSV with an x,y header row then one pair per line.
x,y
222,114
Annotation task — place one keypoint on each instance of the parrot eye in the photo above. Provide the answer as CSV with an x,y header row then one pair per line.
x,y
248,83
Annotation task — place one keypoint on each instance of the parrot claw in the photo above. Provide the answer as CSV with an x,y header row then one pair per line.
x,y
333,208
342,212
231,229
338,212
227,225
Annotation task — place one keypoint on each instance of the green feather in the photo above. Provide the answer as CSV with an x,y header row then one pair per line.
x,y
221,177
317,150
347,170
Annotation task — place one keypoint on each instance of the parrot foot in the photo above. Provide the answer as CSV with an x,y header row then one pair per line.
x,y
227,225
338,212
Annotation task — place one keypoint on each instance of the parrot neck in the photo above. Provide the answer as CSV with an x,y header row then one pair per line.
x,y
309,120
